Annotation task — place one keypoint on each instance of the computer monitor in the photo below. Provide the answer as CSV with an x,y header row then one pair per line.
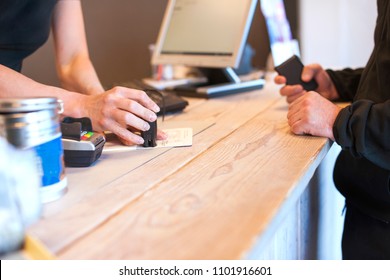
x,y
210,35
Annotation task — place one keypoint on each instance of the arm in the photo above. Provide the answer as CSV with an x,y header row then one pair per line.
x,y
122,111
74,66
14,84
118,109
363,129
346,82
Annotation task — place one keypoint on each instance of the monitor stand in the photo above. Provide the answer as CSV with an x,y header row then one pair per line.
x,y
221,81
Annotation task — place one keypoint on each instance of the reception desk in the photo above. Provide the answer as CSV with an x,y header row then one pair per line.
x,y
244,189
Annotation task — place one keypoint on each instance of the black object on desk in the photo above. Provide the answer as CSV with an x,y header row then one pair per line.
x,y
292,69
150,135
168,101
82,147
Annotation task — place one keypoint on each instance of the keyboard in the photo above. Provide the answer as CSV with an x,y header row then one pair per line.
x,y
168,101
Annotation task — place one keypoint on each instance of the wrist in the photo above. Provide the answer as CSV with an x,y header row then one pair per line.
x,y
94,89
335,113
74,104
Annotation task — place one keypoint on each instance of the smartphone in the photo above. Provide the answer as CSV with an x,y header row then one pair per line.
x,y
292,69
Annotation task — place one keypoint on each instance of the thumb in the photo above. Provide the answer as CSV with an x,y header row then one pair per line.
x,y
310,71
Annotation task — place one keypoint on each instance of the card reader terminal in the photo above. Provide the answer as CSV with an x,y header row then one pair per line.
x,y
81,148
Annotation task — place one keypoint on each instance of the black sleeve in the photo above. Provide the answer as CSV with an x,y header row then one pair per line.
x,y
346,82
363,128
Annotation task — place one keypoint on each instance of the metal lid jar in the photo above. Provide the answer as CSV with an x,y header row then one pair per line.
x,y
33,123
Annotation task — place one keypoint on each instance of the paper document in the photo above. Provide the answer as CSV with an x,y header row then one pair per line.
x,y
177,137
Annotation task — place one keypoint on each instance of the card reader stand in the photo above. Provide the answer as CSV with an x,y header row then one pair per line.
x,y
221,82
82,147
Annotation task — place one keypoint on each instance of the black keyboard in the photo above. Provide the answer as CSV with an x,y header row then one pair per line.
x,y
168,101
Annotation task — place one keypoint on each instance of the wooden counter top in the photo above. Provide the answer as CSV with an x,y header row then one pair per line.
x,y
217,199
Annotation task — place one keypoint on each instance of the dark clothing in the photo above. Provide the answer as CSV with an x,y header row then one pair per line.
x,y
364,238
24,27
362,170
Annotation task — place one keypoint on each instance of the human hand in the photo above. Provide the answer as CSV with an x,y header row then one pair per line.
x,y
312,114
325,85
123,111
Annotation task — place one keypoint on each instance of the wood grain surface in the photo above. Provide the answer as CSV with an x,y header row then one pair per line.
x,y
213,200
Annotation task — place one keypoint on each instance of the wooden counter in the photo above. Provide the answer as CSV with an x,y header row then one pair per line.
x,y
222,198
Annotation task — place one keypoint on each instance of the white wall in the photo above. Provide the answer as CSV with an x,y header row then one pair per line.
x,y
337,33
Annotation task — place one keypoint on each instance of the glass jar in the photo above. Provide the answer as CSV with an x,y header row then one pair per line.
x,y
20,203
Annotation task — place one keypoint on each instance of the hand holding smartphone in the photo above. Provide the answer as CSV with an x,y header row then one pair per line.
x,y
292,69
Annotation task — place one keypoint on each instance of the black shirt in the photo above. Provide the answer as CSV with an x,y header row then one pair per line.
x,y
362,170
24,27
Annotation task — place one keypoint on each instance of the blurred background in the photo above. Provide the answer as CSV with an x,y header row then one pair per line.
x,y
335,33
119,33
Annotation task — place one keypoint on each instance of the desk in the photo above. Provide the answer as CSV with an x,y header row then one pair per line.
x,y
226,197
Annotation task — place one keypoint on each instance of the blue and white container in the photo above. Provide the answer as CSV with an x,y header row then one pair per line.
x,y
33,123
20,203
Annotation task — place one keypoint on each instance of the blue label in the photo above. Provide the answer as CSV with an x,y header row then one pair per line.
x,y
51,157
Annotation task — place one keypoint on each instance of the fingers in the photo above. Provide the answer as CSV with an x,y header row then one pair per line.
x,y
312,114
129,138
298,127
126,136
128,119
300,113
292,92
124,112
129,141
132,108
280,80
161,135
138,95
294,114
310,71
297,122
136,109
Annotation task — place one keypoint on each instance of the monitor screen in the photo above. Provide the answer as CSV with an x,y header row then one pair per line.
x,y
205,33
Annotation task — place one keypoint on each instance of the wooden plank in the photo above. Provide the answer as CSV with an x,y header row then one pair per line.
x,y
217,205
84,181
98,205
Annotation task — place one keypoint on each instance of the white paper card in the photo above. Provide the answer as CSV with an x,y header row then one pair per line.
x,y
177,137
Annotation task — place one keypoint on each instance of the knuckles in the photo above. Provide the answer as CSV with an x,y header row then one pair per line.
x,y
109,98
117,90
103,122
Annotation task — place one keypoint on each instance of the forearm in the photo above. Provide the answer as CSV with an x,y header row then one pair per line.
x,y
80,76
363,129
74,67
346,82
14,84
